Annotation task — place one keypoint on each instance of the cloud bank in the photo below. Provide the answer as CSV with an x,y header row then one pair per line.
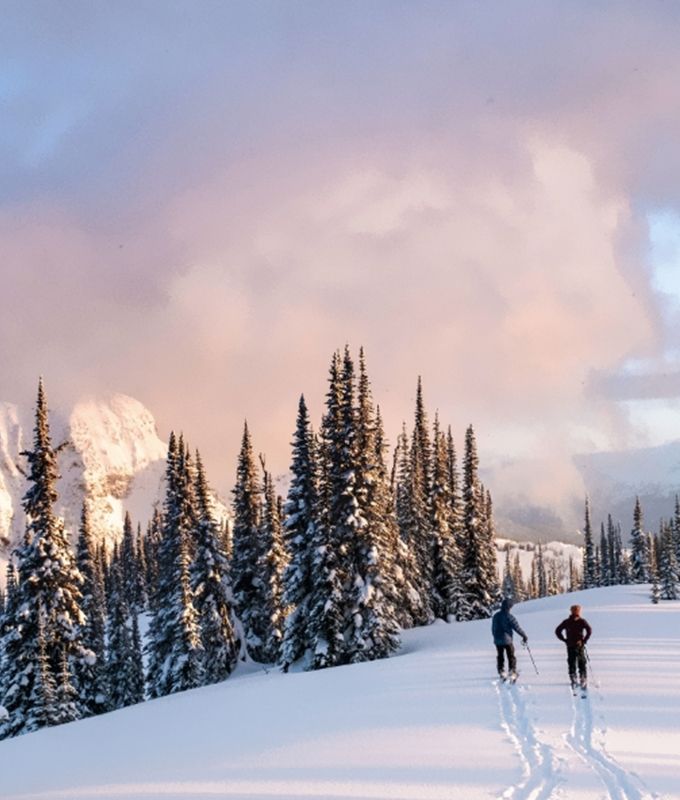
x,y
199,206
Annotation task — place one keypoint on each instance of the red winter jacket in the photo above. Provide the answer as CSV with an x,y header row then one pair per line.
x,y
576,629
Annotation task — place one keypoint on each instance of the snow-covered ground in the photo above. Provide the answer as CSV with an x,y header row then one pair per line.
x,y
429,723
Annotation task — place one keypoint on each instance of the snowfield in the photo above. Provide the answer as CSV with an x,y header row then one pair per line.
x,y
428,724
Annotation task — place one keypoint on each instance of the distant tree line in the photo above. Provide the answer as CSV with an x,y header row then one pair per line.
x,y
652,558
359,549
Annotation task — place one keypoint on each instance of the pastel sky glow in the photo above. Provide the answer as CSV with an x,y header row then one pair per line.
x,y
200,201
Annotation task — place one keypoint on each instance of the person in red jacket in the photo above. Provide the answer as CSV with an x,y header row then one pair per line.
x,y
575,632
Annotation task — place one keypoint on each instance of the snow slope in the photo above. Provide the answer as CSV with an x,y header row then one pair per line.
x,y
429,724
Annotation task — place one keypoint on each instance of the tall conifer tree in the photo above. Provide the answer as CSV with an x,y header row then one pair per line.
x,y
639,548
175,652
48,621
299,530
478,595
589,562
246,542
209,579
91,673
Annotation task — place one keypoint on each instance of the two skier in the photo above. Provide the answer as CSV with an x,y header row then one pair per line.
x,y
573,631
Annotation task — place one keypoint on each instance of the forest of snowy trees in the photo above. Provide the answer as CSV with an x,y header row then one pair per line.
x,y
361,547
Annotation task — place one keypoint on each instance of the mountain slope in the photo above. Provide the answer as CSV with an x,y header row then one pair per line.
x,y
428,724
111,454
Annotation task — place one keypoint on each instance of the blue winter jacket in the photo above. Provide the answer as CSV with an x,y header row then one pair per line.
x,y
504,623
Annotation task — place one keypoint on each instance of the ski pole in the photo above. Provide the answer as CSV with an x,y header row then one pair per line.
x,y
590,664
530,656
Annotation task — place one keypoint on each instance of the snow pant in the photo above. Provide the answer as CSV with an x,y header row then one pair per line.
x,y
509,650
576,657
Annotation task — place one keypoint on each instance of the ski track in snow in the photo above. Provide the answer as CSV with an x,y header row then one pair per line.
x,y
541,777
620,784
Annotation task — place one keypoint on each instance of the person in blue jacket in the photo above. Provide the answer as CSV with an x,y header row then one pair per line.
x,y
503,624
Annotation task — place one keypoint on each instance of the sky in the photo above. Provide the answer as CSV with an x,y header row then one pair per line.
x,y
200,201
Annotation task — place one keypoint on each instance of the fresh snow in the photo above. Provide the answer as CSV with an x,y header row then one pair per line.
x,y
428,724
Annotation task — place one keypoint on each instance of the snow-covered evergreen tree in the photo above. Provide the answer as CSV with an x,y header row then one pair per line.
x,y
91,672
246,540
128,566
299,529
478,596
676,528
589,562
420,536
141,595
267,617
174,645
518,579
414,609
541,575
668,567
639,548
508,587
152,542
446,577
48,619
212,594
123,654
373,629
326,623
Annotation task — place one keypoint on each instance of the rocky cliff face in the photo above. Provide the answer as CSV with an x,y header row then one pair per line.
x,y
112,455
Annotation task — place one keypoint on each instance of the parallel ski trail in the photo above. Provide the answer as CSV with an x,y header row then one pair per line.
x,y
540,779
620,785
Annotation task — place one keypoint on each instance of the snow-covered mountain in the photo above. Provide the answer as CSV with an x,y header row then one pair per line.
x,y
112,454
428,724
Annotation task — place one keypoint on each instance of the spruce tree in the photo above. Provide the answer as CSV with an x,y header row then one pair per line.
x,y
246,543
415,610
589,562
337,503
541,575
209,580
140,576
478,594
446,585
48,622
518,579
373,630
151,555
508,585
676,529
175,652
299,530
668,568
128,566
267,617
136,666
122,662
420,536
91,673
639,548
